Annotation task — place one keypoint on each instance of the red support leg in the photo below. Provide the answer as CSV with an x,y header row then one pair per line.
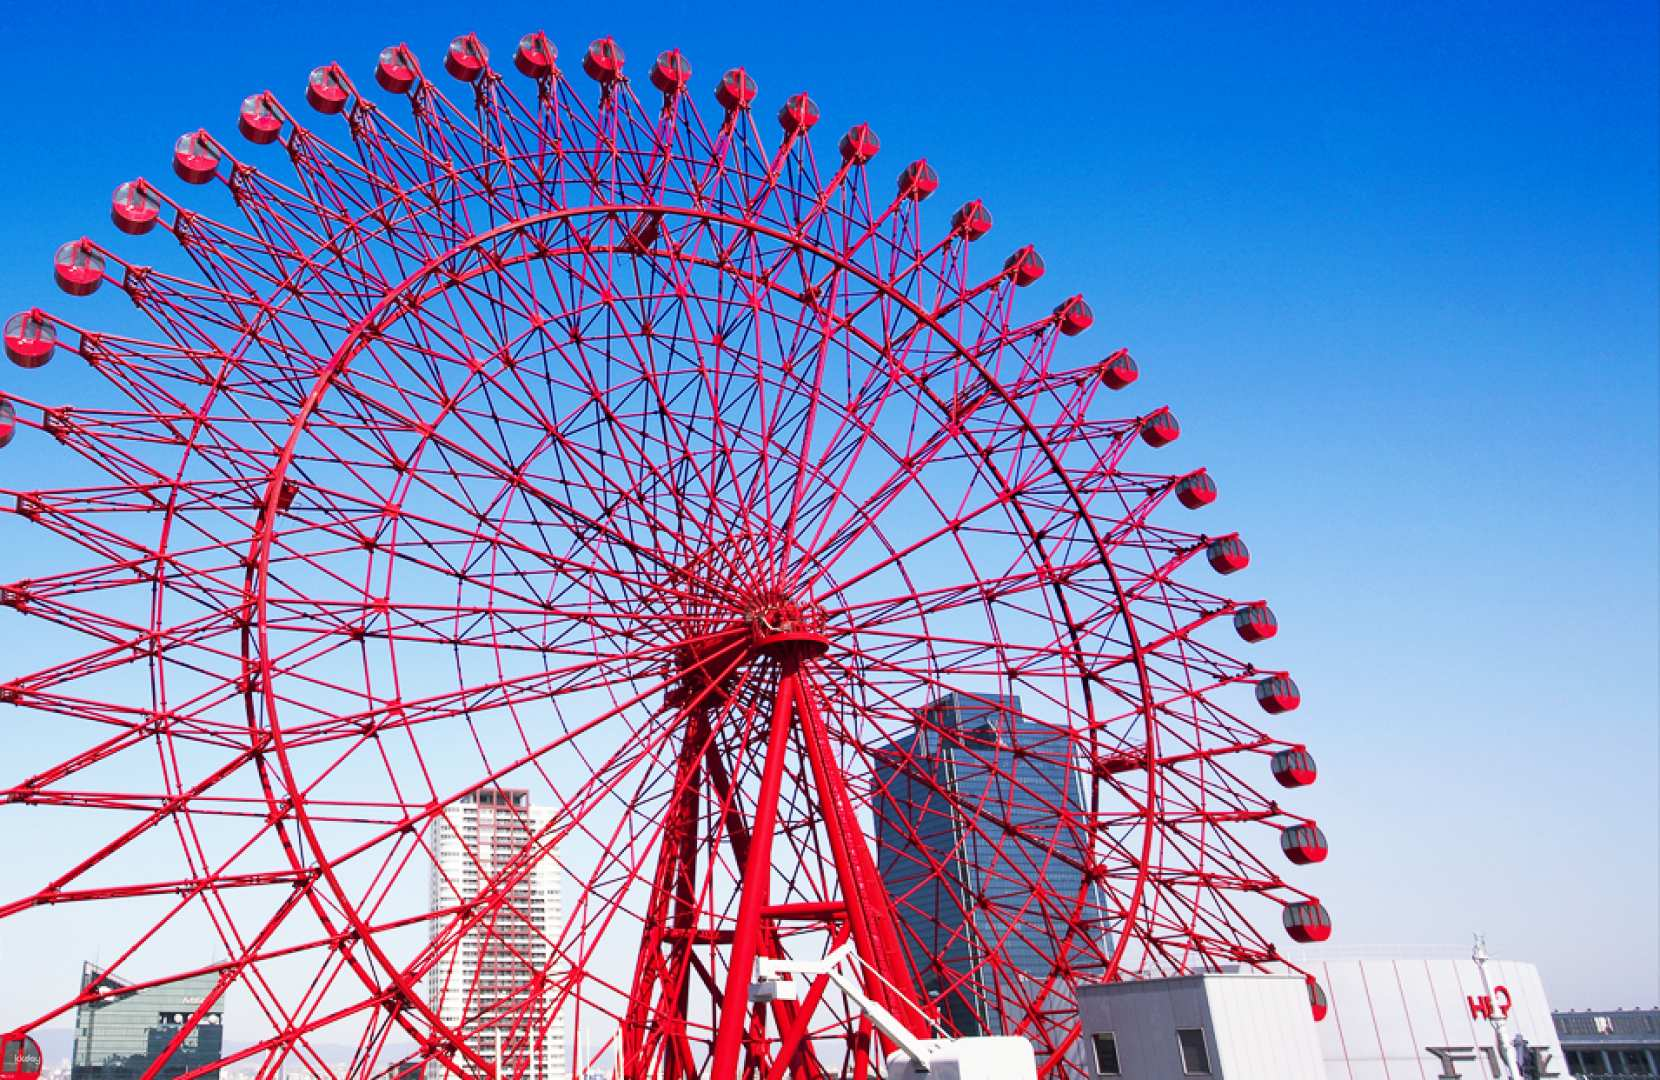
x,y
871,916
671,917
746,937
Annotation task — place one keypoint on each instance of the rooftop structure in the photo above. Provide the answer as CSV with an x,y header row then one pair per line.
x,y
1610,1042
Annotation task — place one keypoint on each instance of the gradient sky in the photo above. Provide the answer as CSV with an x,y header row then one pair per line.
x,y
1394,267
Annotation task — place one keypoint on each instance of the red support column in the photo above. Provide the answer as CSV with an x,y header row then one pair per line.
x,y
875,931
660,986
746,936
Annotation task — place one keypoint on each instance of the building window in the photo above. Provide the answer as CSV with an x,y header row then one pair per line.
x,y
1106,1054
1195,1055
1577,1025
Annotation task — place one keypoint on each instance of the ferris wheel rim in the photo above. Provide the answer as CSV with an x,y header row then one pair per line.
x,y
356,340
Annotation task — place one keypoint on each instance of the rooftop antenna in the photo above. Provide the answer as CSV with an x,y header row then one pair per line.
x,y
1494,1015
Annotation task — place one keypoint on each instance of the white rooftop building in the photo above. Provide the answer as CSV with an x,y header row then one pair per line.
x,y
1421,1012
1239,1025
1388,1014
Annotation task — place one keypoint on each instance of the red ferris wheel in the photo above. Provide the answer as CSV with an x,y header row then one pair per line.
x,y
528,552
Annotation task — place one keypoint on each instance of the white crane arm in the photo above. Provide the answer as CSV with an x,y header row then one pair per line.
x,y
770,974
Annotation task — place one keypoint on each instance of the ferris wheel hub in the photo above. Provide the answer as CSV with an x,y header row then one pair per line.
x,y
770,625
779,626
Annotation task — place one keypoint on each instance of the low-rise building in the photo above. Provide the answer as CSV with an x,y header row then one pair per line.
x,y
1378,1014
1618,1042
1235,1025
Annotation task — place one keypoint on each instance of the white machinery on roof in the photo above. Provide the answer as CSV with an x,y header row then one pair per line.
x,y
980,1057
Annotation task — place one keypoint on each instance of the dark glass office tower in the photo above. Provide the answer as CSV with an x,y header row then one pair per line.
x,y
120,1036
975,810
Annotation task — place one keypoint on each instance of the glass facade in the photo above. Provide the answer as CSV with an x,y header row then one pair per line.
x,y
121,1035
980,844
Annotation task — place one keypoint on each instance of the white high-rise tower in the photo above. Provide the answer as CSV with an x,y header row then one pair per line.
x,y
490,982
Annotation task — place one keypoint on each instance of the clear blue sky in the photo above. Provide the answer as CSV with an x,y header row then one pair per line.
x,y
1394,266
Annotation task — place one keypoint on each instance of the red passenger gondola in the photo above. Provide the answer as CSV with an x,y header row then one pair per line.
x,y
798,114
134,208
19,1057
8,422
1024,266
1228,555
258,119
1307,921
327,90
1119,370
972,220
735,90
79,268
1303,844
466,58
671,72
860,144
396,70
604,61
1196,489
918,181
1317,1002
195,158
1255,622
30,339
1294,767
1074,316
1278,694
535,55
1160,428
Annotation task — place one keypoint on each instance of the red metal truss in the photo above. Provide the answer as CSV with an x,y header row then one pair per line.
x,y
613,446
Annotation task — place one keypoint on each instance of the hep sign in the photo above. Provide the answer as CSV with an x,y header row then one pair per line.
x,y
1496,1007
